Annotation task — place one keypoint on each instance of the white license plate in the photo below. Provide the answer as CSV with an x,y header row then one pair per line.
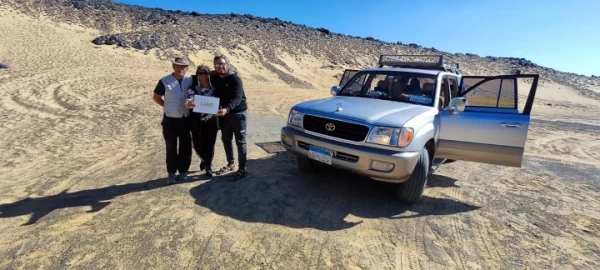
x,y
320,154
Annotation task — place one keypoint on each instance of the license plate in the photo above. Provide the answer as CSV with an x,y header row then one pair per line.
x,y
320,154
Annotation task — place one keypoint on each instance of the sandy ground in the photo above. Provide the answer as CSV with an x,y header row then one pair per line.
x,y
82,180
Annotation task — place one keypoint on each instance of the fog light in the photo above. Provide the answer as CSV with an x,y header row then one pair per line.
x,y
382,166
286,140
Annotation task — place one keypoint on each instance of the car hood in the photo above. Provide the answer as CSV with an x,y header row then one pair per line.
x,y
368,110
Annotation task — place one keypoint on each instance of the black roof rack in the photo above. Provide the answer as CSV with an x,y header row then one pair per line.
x,y
431,62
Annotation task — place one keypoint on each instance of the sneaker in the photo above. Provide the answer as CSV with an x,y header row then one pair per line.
x,y
183,176
171,179
209,173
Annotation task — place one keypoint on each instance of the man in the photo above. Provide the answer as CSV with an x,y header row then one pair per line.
x,y
232,114
171,94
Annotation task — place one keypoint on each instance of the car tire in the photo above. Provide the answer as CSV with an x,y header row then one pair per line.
x,y
304,164
412,190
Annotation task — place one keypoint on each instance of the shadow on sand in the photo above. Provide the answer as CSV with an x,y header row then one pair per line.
x,y
275,192
97,199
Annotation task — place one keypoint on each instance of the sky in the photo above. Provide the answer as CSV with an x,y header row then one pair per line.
x,y
559,34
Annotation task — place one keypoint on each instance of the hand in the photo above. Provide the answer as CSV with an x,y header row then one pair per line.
x,y
190,104
222,112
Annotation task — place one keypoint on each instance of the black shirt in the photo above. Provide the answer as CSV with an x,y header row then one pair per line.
x,y
159,89
230,92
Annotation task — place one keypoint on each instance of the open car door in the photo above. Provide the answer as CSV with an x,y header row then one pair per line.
x,y
348,74
491,128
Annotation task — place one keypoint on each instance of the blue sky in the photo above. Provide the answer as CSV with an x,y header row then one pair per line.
x,y
560,34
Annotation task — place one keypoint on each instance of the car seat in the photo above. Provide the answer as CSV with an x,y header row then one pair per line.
x,y
383,85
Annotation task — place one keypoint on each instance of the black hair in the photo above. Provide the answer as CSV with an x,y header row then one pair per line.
x,y
202,67
220,57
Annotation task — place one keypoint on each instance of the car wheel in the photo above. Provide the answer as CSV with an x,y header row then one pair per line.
x,y
304,164
412,190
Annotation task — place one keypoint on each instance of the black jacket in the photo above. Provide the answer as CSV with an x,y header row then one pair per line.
x,y
230,92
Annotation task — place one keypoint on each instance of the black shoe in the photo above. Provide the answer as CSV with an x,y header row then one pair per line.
x,y
209,173
202,166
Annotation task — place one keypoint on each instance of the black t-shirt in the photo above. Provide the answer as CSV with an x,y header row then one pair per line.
x,y
230,92
159,89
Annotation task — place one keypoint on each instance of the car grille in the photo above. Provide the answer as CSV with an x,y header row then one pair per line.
x,y
343,130
337,155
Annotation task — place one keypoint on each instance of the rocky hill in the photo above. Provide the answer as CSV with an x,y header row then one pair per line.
x,y
263,42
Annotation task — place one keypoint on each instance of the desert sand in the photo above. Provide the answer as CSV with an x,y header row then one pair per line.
x,y
82,178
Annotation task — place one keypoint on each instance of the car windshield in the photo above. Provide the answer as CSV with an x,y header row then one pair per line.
x,y
410,87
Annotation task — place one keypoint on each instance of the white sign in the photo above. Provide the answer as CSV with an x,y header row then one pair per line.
x,y
206,104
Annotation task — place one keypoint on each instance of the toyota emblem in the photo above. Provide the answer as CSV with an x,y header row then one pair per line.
x,y
330,127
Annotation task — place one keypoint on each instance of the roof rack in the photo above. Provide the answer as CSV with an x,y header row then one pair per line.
x,y
431,62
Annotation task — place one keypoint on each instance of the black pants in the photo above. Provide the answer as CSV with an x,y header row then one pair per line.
x,y
177,130
204,136
234,124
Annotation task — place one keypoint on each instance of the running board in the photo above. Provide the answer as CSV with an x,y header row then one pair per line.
x,y
437,162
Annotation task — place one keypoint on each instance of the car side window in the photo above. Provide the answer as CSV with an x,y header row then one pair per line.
x,y
453,82
354,87
498,93
444,93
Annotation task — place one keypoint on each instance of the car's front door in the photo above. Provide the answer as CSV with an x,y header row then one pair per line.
x,y
348,73
492,128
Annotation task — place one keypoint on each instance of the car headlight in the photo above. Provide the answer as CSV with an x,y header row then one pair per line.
x,y
295,118
400,137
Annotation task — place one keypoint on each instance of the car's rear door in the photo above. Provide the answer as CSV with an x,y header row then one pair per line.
x,y
493,127
348,74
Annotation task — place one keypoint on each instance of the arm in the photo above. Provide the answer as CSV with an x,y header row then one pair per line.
x,y
158,99
159,91
239,90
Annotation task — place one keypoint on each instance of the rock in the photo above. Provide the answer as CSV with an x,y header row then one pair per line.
x,y
79,5
110,40
3,66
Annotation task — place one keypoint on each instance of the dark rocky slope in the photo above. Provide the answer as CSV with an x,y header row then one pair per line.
x,y
143,28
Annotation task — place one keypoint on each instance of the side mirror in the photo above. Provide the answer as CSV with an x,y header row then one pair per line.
x,y
457,104
335,90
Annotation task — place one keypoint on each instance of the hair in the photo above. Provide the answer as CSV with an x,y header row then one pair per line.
x,y
207,69
202,67
220,56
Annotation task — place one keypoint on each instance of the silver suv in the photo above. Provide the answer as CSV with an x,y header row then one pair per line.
x,y
400,121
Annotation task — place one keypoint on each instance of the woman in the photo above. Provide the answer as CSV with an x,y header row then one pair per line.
x,y
204,126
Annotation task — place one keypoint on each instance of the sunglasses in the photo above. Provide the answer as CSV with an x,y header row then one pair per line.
x,y
202,73
220,64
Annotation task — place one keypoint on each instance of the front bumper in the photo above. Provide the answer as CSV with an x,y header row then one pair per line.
x,y
355,158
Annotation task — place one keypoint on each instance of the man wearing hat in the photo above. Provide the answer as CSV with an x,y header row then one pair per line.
x,y
171,94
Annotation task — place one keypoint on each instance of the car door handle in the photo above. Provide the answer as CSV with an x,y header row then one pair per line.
x,y
517,125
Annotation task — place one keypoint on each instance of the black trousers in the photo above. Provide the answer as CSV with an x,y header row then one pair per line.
x,y
178,141
204,137
234,124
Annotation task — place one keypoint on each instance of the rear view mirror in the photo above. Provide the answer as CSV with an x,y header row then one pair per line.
x,y
457,104
334,90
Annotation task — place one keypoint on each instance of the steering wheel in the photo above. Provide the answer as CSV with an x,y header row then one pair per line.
x,y
377,93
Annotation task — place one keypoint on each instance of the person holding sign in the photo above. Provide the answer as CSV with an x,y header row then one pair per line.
x,y
232,114
204,122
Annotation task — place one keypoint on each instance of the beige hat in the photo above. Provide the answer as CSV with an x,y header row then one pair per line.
x,y
180,61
